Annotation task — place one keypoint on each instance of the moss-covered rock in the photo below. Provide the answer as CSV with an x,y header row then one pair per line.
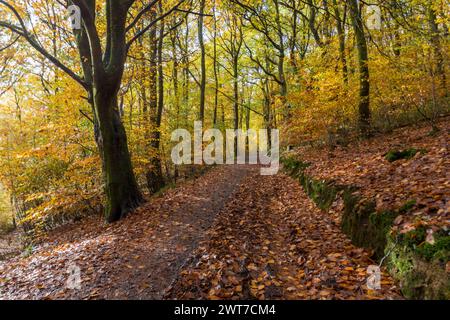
x,y
394,155
321,192
366,227
419,266
438,251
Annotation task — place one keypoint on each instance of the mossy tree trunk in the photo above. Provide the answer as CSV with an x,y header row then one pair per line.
x,y
122,192
103,71
363,59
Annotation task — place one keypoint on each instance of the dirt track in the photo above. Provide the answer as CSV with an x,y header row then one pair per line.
x,y
230,234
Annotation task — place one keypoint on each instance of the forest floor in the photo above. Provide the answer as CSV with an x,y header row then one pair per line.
x,y
234,234
230,234
422,178
10,244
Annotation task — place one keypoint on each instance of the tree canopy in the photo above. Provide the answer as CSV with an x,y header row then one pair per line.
x,y
86,114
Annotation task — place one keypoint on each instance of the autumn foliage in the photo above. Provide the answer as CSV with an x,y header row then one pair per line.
x,y
293,66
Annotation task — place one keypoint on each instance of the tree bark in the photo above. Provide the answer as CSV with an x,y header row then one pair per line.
x,y
155,179
340,25
436,44
312,23
363,59
216,75
281,58
235,92
122,191
293,40
202,62
175,66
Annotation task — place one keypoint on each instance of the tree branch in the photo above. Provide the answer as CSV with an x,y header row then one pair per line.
x,y
22,31
151,24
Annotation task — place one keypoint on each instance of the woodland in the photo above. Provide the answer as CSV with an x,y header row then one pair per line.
x,y
91,91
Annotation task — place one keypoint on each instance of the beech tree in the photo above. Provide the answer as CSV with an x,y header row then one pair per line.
x,y
103,68
363,63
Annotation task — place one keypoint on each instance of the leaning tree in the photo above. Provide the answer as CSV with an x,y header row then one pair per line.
x,y
102,56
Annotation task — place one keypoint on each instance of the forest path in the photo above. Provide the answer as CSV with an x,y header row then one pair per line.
x,y
230,234
190,211
136,258
271,242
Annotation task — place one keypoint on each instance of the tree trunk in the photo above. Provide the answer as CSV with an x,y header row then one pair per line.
x,y
293,41
122,192
121,189
175,88
202,62
312,23
236,93
340,25
435,42
363,58
281,57
216,75
155,179
186,70
153,89
267,103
